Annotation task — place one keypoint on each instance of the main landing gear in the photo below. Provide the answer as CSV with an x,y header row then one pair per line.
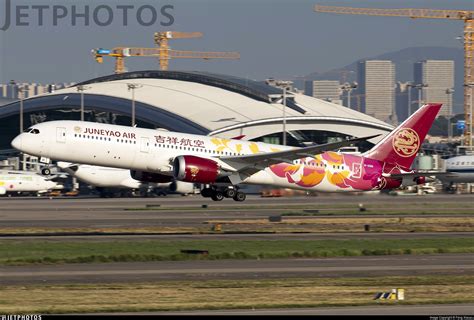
x,y
218,194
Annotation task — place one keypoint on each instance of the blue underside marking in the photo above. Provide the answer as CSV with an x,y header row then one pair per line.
x,y
467,170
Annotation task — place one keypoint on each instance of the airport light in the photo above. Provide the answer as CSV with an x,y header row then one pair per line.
x,y
284,85
348,87
81,88
21,92
132,87
410,85
420,87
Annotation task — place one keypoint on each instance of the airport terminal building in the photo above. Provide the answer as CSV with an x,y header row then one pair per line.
x,y
197,103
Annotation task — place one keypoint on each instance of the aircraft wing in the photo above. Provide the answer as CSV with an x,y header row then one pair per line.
x,y
250,164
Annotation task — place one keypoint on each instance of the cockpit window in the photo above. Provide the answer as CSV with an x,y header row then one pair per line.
x,y
31,130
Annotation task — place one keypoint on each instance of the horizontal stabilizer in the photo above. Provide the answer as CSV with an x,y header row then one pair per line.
x,y
417,174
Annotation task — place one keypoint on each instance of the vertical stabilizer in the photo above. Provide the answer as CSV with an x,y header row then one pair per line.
x,y
402,144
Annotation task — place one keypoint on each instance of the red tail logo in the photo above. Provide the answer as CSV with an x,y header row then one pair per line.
x,y
400,147
406,142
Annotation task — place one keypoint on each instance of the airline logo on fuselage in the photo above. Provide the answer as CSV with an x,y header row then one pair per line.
x,y
406,142
109,133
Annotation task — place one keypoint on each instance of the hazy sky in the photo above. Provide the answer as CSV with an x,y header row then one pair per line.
x,y
276,38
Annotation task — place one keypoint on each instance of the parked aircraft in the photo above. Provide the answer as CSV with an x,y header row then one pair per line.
x,y
224,164
110,181
25,182
460,169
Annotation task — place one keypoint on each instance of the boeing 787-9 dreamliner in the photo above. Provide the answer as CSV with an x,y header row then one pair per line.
x,y
224,164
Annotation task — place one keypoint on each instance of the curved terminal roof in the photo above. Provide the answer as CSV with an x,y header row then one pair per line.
x,y
199,102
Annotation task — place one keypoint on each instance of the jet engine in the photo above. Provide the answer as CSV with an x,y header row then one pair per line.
x,y
181,187
195,169
144,176
410,181
420,180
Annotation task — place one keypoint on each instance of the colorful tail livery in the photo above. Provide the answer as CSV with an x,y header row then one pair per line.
x,y
401,146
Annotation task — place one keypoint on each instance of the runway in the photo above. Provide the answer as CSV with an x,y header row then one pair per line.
x,y
428,309
367,266
244,236
184,212
177,211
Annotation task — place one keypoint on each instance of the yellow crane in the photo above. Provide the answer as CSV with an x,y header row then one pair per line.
x,y
163,52
466,15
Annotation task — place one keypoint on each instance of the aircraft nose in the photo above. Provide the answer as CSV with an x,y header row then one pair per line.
x,y
17,142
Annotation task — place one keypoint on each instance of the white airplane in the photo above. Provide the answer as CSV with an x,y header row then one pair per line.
x,y
24,181
460,169
224,164
106,177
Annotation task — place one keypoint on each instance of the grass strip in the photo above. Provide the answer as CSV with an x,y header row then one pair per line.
x,y
19,252
231,294
463,204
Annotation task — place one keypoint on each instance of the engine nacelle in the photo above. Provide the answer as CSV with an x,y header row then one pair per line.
x,y
144,176
181,187
420,180
195,169
413,181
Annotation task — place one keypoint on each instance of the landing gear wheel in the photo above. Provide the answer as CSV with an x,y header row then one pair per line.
x,y
240,196
230,193
217,196
45,171
207,192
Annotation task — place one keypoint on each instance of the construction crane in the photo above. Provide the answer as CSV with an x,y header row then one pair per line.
x,y
465,15
162,52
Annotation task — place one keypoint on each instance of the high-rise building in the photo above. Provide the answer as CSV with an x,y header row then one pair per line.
x,y
402,100
438,75
328,90
11,90
376,80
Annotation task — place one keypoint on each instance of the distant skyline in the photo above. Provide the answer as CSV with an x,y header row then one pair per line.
x,y
276,38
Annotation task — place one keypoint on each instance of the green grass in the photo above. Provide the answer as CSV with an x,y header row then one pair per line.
x,y
30,252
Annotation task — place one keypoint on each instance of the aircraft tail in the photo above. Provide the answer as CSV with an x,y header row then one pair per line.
x,y
402,144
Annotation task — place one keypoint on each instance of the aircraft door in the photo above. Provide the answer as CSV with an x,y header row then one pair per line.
x,y
144,145
61,135
357,170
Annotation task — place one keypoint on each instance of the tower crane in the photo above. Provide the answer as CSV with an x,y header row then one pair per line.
x,y
466,15
162,52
